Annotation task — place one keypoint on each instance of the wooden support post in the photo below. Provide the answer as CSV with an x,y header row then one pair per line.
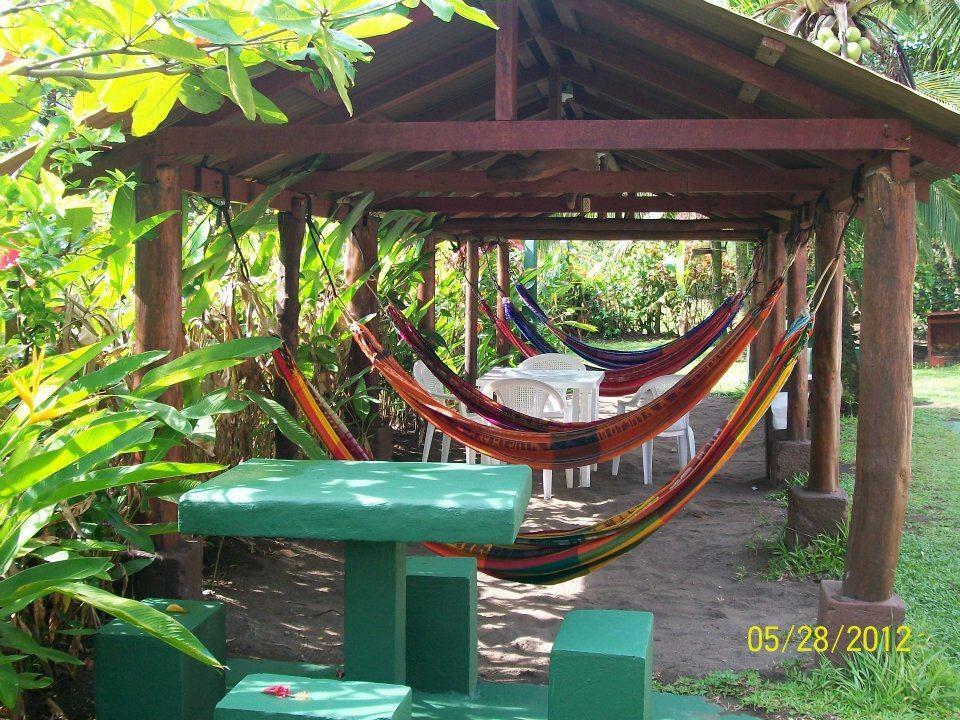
x,y
820,508
825,388
503,285
772,331
362,255
158,325
505,105
291,226
865,597
470,339
158,292
427,290
716,272
885,427
797,385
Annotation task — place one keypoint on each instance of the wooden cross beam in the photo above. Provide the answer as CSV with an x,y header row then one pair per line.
x,y
529,227
533,135
485,204
594,183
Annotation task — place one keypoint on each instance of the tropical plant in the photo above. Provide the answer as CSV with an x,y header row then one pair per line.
x,y
82,452
144,56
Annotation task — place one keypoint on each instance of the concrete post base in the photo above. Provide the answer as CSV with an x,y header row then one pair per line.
x,y
789,458
813,513
839,614
176,573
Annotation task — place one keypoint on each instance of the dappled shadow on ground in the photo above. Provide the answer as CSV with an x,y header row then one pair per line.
x,y
698,576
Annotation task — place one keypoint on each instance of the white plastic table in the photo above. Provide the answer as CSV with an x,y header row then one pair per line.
x,y
583,384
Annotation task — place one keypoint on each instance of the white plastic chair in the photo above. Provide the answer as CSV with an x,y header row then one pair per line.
x,y
681,430
556,363
533,398
553,362
429,382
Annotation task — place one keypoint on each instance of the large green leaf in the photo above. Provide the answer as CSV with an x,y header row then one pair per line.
x,y
16,639
112,477
241,88
44,464
231,352
291,429
9,685
115,372
22,588
152,621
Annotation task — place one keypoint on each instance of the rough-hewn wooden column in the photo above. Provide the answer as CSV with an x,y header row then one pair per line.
x,y
503,285
427,290
470,339
361,257
820,508
158,325
716,272
758,348
797,385
291,227
772,331
791,453
885,426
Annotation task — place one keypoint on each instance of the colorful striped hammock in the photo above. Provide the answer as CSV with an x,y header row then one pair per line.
x,y
661,414
615,359
550,557
575,445
624,381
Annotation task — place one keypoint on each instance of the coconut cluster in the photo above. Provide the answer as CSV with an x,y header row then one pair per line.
x,y
852,45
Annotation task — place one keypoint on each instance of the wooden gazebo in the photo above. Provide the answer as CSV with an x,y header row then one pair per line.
x,y
694,109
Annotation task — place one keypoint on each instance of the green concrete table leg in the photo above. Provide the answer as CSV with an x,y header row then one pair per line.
x,y
374,612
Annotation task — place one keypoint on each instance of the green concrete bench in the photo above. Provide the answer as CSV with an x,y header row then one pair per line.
x,y
601,666
137,677
375,507
442,624
313,698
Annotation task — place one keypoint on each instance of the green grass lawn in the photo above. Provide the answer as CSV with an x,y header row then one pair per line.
x,y
924,683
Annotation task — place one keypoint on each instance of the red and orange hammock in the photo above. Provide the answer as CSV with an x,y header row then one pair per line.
x,y
557,556
644,423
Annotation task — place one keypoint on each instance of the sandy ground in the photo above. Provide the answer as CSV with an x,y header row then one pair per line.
x,y
698,576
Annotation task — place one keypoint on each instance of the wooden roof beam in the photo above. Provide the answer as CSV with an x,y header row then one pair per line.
x,y
599,182
806,95
529,227
486,204
651,72
533,135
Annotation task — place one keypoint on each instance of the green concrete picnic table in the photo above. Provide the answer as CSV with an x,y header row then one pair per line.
x,y
375,508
